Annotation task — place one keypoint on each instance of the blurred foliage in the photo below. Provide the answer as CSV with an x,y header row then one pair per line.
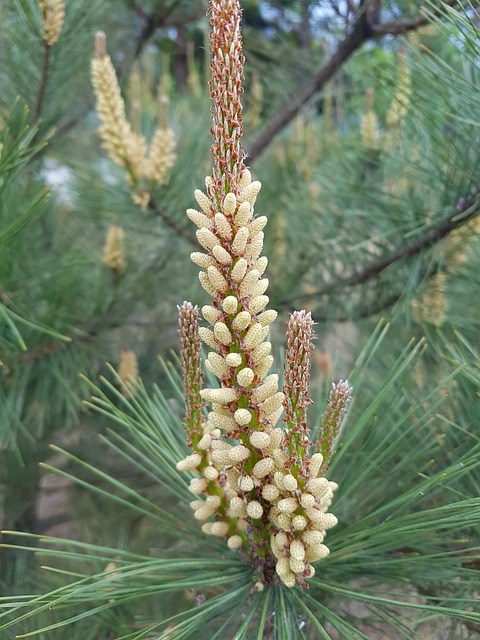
x,y
407,530
372,197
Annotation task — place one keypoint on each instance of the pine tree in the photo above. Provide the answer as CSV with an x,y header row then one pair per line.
x,y
370,186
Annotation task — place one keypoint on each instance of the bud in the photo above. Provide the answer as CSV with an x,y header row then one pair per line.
x,y
53,13
114,249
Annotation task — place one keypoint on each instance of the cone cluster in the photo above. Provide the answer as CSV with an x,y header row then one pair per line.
x,y
126,147
114,249
53,14
256,483
262,491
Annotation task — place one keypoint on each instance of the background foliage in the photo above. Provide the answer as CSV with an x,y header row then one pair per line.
x,y
371,189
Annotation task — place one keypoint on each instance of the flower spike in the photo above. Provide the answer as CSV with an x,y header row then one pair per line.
x,y
53,14
192,369
300,337
261,490
226,88
338,400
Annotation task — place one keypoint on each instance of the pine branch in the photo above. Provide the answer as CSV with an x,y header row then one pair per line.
x,y
373,12
399,27
138,9
337,10
179,21
29,357
359,34
373,310
71,121
151,23
351,7
180,231
365,28
429,239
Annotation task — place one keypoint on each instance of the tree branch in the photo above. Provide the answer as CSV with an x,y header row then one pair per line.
x,y
359,34
180,231
151,23
178,21
336,9
365,28
138,10
368,312
373,12
399,27
351,7
432,237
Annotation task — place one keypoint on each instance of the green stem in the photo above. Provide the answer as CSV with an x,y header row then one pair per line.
x,y
43,83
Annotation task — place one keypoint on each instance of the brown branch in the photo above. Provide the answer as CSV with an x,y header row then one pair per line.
x,y
71,122
373,12
336,9
368,312
178,21
399,27
138,10
180,231
359,34
43,351
151,23
471,626
365,28
351,7
432,237
83,336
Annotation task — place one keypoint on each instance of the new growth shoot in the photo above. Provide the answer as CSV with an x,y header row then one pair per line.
x,y
256,484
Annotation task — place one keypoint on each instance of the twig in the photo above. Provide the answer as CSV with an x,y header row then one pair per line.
x,y
373,12
138,10
471,626
351,7
70,122
399,27
178,21
336,9
434,235
367,312
365,28
180,231
152,23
